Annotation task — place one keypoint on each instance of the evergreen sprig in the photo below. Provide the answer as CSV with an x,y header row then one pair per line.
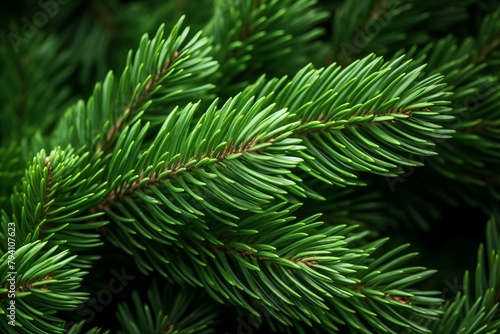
x,y
475,310
225,160
44,283
168,311
51,203
163,73
394,117
254,37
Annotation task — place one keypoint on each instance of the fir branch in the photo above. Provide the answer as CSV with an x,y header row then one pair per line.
x,y
137,104
474,108
289,269
402,115
163,73
475,309
55,190
256,36
225,156
207,195
167,312
44,284
475,104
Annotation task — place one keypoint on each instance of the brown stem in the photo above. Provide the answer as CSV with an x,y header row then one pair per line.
x,y
363,114
401,299
248,254
131,109
119,194
28,287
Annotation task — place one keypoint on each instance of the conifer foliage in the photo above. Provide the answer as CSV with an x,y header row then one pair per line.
x,y
249,166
